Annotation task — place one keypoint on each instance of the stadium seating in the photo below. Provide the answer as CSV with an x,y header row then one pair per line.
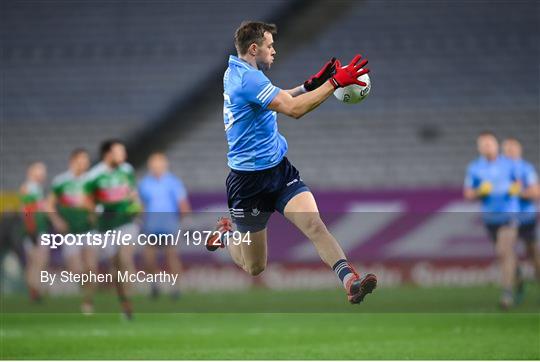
x,y
460,68
75,73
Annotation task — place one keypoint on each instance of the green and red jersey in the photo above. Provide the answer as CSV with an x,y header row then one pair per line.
x,y
112,190
70,193
34,208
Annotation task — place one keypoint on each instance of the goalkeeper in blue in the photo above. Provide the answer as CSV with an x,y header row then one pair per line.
x,y
527,190
492,179
261,179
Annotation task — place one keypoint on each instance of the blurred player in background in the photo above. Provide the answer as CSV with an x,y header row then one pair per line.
x,y
70,214
491,179
527,180
34,212
165,202
262,179
111,190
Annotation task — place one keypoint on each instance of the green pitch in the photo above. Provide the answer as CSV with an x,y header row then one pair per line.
x,y
458,330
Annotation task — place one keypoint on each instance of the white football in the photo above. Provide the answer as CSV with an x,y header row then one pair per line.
x,y
354,93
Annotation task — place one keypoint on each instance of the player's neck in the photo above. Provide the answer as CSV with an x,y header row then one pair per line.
x,y
111,165
249,59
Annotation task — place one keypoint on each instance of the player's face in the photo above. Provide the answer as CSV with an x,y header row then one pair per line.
x,y
158,164
38,172
488,146
118,154
265,52
512,149
80,163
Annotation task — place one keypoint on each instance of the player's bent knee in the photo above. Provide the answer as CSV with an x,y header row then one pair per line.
x,y
315,226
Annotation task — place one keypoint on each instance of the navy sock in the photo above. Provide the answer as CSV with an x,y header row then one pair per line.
x,y
343,270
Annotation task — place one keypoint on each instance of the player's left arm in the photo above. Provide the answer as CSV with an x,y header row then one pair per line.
x,y
185,207
58,222
89,199
531,188
181,196
132,183
532,192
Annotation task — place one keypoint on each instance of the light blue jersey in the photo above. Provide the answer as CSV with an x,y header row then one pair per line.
x,y
161,199
527,175
499,206
252,132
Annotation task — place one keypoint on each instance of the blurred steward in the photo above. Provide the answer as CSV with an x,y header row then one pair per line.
x,y
165,202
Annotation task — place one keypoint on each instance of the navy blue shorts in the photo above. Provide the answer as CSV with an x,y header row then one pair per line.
x,y
493,230
254,195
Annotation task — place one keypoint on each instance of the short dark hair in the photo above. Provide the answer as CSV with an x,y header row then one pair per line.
x,y
76,152
250,32
107,145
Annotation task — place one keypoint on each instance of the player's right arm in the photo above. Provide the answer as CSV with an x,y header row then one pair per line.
x,y
469,193
298,106
473,188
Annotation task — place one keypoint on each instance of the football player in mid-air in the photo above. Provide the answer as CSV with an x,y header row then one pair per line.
x,y
262,179
491,179
529,192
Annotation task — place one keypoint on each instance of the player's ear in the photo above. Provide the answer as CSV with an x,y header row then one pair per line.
x,y
252,50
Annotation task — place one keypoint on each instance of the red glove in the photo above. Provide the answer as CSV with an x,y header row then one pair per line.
x,y
328,70
349,74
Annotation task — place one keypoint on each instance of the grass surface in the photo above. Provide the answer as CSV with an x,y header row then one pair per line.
x,y
375,330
